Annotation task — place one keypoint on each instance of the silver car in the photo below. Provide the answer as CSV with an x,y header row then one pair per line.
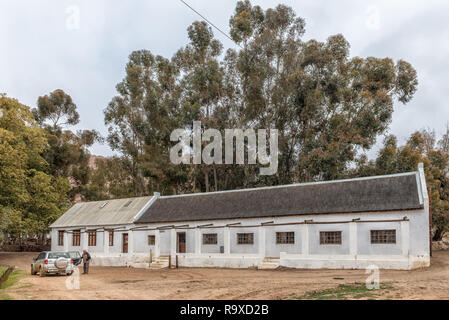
x,y
51,262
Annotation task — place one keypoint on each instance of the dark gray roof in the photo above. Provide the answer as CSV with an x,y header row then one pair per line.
x,y
381,193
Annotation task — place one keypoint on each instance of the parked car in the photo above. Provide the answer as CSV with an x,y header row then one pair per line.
x,y
52,262
76,257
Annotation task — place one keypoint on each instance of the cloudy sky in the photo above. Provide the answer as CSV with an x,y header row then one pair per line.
x,y
81,46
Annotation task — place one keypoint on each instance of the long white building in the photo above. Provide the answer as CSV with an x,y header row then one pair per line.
x,y
352,223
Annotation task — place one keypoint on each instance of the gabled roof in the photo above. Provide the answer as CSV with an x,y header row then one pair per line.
x,y
98,213
370,194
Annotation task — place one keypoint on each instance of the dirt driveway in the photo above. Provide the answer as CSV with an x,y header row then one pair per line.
x,y
211,283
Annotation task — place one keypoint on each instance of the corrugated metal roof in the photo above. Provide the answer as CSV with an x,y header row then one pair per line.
x,y
107,212
370,194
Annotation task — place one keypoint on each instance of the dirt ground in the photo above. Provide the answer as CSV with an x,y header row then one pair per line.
x,y
211,283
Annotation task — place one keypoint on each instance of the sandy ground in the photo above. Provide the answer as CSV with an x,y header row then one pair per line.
x,y
211,283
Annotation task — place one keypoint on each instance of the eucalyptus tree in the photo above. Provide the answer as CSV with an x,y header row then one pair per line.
x,y
142,115
325,104
202,82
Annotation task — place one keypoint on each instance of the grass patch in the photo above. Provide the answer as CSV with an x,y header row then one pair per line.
x,y
345,291
12,279
25,285
2,269
4,296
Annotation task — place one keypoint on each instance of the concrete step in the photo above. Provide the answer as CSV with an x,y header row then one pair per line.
x,y
159,263
269,263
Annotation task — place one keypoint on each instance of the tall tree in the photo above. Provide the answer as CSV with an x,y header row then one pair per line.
x,y
30,198
202,81
58,108
142,115
324,103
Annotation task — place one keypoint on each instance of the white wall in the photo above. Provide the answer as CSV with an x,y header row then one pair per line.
x,y
415,247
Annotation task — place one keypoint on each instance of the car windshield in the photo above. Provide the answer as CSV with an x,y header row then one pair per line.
x,y
74,254
56,255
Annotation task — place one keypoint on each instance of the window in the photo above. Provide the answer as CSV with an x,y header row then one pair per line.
x,y
111,238
56,255
128,203
285,237
383,236
76,236
92,238
330,237
61,238
210,238
245,238
151,240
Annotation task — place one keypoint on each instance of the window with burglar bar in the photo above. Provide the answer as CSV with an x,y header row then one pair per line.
x,y
151,240
330,237
285,237
383,236
111,237
245,238
61,238
76,236
210,238
92,238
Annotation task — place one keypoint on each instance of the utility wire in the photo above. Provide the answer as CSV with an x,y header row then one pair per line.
x,y
225,34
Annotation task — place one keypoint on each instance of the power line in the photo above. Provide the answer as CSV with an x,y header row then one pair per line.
x,y
210,23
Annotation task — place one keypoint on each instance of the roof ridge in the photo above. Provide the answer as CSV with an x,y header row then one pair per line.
x,y
107,200
291,185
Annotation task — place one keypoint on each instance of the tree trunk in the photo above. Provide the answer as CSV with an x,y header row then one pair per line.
x,y
206,178
215,178
438,235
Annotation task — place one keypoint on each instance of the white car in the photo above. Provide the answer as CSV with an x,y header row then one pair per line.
x,y
52,262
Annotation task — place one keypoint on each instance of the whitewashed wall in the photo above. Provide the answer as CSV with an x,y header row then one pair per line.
x,y
415,247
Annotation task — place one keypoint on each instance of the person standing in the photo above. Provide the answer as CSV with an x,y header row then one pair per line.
x,y
86,261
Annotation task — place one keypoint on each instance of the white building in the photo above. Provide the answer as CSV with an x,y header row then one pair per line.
x,y
352,223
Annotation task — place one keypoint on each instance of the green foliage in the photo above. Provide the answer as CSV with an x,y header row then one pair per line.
x,y
13,278
325,104
30,198
55,107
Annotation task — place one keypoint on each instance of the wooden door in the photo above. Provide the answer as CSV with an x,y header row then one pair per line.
x,y
125,243
181,242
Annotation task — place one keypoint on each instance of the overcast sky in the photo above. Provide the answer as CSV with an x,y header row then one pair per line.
x,y
82,46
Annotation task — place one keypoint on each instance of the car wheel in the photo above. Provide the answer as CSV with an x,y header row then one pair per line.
x,y
32,270
41,272
69,273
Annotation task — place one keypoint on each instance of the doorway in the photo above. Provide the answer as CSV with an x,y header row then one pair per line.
x,y
181,247
125,243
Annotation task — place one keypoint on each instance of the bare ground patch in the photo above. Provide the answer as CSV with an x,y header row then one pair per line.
x,y
212,283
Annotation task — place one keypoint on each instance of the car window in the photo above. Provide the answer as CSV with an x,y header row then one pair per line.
x,y
56,255
41,256
74,254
